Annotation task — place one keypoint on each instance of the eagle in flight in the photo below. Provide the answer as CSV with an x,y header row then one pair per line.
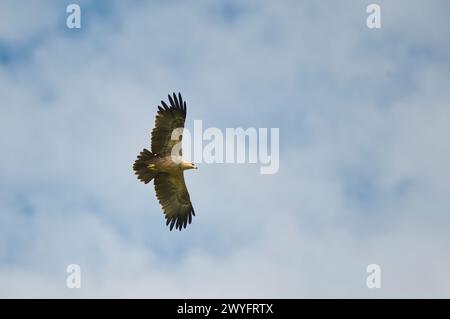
x,y
165,165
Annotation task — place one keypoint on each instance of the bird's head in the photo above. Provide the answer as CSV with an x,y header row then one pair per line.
x,y
193,166
187,165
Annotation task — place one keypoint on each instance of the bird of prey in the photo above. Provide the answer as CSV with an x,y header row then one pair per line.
x,y
165,166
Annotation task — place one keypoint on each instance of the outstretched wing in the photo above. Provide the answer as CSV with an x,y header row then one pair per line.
x,y
167,120
174,198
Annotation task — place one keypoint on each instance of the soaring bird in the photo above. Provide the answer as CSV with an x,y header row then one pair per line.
x,y
165,165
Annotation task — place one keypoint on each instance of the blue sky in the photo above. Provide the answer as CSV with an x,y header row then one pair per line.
x,y
363,118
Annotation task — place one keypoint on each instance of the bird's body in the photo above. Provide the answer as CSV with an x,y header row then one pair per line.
x,y
165,166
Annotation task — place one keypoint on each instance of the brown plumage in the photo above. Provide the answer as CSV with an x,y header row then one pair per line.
x,y
165,166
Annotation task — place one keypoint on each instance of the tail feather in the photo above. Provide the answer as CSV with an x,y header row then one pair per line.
x,y
141,166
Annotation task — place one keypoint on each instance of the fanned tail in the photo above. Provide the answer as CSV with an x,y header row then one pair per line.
x,y
142,166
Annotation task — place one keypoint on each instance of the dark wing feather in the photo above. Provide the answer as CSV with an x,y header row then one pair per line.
x,y
174,198
167,120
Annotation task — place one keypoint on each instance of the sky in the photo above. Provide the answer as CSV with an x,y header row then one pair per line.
x,y
363,118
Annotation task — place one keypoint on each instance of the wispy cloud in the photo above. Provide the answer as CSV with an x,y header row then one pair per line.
x,y
363,117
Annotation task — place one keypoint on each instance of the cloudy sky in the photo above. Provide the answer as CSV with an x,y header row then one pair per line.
x,y
364,172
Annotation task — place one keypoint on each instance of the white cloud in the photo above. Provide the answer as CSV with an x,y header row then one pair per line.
x,y
363,174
